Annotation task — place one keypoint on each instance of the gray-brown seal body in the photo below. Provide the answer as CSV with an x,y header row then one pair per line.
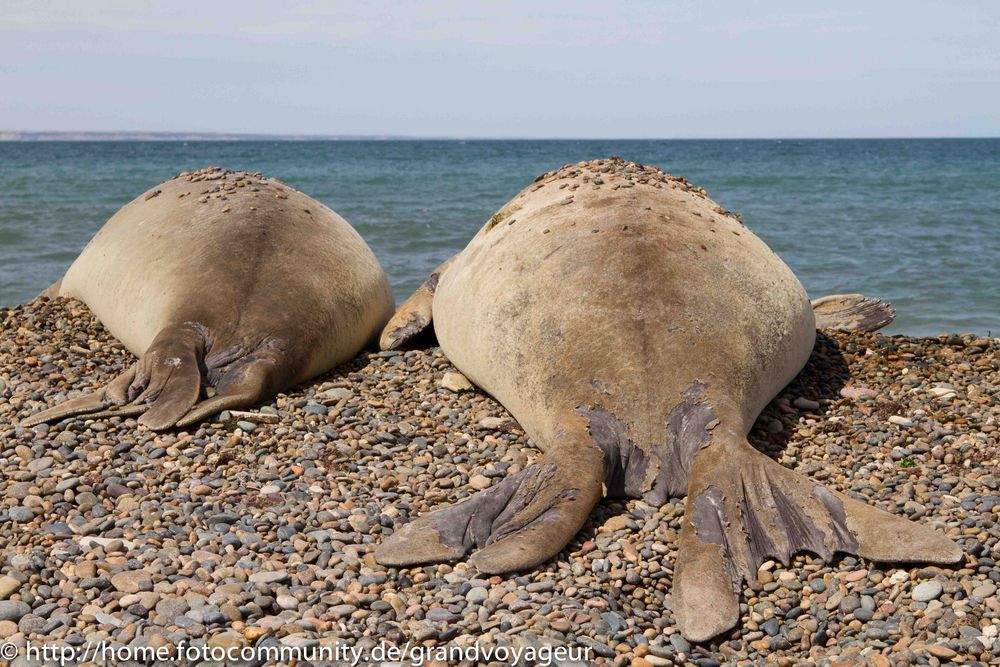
x,y
230,280
635,329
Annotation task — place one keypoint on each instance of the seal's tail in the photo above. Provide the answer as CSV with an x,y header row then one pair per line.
x,y
743,508
516,524
852,312
164,386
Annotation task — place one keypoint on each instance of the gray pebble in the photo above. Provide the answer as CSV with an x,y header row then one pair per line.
x,y
927,591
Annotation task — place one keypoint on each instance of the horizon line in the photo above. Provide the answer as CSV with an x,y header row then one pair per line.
x,y
29,136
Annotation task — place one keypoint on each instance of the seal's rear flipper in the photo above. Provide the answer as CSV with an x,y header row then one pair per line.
x,y
743,508
521,522
102,402
165,385
852,312
243,385
75,406
161,387
414,315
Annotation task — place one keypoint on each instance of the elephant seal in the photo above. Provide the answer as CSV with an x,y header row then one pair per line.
x,y
635,329
228,279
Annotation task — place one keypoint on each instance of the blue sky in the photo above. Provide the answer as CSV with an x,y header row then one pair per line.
x,y
630,69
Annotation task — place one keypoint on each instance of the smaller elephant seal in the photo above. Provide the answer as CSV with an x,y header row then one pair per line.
x,y
229,287
636,330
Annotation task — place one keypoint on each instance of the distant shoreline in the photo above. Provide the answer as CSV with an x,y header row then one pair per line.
x,y
18,136
186,136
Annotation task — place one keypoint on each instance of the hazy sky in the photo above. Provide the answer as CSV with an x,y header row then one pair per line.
x,y
617,69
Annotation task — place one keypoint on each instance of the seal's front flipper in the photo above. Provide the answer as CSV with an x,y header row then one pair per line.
x,y
743,508
414,315
521,522
852,312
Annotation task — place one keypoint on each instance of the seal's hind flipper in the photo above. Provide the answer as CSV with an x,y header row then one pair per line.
x,y
521,522
162,386
852,312
75,406
743,508
165,384
414,315
101,402
171,375
242,386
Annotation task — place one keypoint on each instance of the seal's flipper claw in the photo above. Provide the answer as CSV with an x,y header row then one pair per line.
x,y
438,537
128,410
524,520
414,315
852,312
117,391
743,508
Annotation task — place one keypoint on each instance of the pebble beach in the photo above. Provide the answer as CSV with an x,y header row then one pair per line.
x,y
259,528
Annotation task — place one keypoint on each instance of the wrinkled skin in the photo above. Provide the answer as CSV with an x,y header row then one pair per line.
x,y
636,330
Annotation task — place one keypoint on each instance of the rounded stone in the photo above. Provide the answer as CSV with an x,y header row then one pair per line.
x,y
927,591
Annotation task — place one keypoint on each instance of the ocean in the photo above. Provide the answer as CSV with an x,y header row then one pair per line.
x,y
914,221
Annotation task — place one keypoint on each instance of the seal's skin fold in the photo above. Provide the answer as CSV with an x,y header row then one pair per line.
x,y
635,329
225,279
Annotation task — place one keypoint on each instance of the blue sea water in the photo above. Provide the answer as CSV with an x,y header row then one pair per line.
x,y
916,222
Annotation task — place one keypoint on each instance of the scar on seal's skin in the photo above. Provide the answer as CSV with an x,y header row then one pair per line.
x,y
661,472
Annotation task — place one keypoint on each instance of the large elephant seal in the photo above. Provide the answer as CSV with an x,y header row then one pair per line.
x,y
226,279
635,330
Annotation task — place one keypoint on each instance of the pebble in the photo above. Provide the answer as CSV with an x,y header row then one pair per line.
x,y
21,514
939,651
480,482
269,577
132,582
806,404
477,595
13,610
287,602
927,591
455,381
7,629
8,586
858,393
